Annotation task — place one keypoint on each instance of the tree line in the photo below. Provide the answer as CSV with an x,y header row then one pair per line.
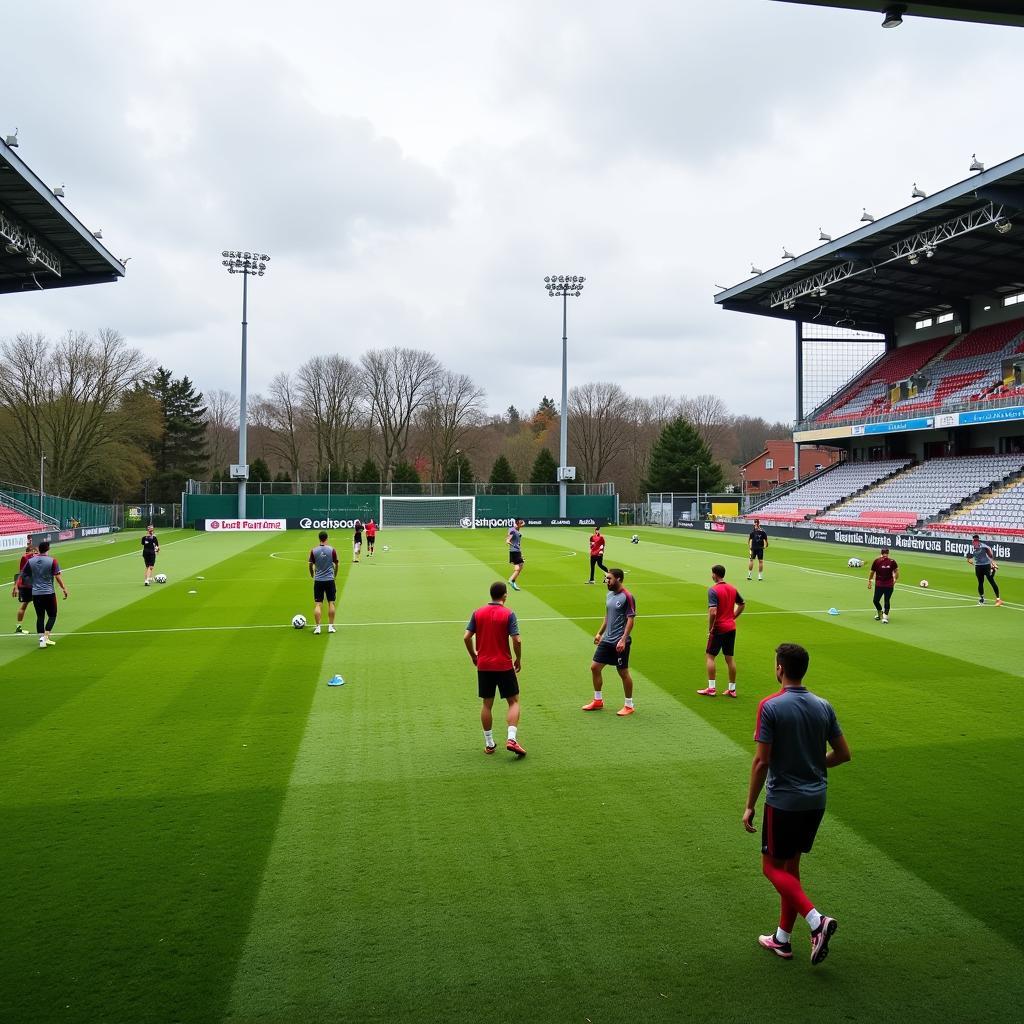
x,y
114,426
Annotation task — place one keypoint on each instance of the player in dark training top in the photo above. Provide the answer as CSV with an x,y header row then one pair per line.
x,y
514,540
40,573
21,592
983,559
884,574
756,543
150,549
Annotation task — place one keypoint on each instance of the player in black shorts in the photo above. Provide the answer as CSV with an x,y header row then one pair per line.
x,y
22,593
756,543
150,549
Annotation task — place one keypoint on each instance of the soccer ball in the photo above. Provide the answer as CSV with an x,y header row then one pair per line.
x,y
855,563
635,539
160,577
299,621
923,583
385,548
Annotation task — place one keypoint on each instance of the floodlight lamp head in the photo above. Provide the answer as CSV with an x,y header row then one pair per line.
x,y
866,218
893,15
824,236
976,164
918,193
98,233
58,191
913,259
1004,227
755,270
12,140
929,251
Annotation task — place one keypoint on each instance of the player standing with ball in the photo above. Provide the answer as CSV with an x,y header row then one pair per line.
x,y
150,549
984,560
323,567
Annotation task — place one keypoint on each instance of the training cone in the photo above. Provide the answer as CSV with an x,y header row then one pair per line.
x,y
335,681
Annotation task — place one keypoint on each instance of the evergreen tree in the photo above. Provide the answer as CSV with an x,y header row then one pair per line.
x,y
180,451
545,469
513,417
458,468
368,472
675,458
259,471
545,416
403,473
501,473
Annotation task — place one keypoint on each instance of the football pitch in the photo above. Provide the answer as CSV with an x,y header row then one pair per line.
x,y
197,828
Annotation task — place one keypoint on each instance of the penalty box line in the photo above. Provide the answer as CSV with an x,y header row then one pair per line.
x,y
462,621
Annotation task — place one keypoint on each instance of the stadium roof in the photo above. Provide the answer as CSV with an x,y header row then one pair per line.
x,y
992,12
42,244
965,240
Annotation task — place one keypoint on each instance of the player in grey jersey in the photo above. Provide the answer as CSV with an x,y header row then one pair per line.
x,y
323,567
613,641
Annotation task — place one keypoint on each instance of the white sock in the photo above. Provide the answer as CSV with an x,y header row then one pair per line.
x,y
629,702
813,919
781,936
488,738
597,695
512,730
711,684
732,686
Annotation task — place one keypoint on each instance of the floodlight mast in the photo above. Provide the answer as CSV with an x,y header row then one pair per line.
x,y
564,285
244,263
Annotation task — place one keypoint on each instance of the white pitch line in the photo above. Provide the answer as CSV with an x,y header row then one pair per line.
x,y
462,621
124,554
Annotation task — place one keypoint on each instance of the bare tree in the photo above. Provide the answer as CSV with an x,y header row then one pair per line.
x,y
221,427
454,406
60,399
598,427
330,395
708,415
398,382
281,417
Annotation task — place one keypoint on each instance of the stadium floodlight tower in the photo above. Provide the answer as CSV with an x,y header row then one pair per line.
x,y
244,263
562,285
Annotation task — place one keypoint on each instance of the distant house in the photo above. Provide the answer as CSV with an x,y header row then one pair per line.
x,y
774,466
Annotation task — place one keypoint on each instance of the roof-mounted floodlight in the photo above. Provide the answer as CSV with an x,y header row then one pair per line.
x,y
976,164
98,233
913,259
755,270
786,254
929,251
866,218
58,191
12,140
893,15
1004,227
918,193
823,236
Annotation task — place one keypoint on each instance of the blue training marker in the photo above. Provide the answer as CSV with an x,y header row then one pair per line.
x,y
335,681
833,611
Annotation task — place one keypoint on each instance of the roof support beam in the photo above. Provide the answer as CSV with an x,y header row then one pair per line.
x,y
18,240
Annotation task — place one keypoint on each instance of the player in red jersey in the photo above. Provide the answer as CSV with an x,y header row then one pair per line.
x,y
725,606
884,575
596,554
492,626
371,536
23,593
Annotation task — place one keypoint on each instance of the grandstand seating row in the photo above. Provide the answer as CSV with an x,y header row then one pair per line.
x,y
12,522
967,370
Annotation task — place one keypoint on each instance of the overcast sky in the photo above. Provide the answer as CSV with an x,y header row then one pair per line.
x,y
415,170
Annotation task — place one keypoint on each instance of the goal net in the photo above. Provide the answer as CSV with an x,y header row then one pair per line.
x,y
427,512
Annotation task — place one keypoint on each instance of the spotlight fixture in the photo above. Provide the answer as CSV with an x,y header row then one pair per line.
x,y
976,164
567,284
12,140
918,193
786,254
929,251
822,292
893,15
13,248
755,270
823,236
1004,227
58,191
98,233
913,259
866,218
238,262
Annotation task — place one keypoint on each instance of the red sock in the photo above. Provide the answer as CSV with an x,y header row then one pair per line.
x,y
794,899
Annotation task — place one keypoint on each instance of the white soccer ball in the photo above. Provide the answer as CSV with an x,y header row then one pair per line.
x,y
635,539
855,563
299,621
923,583
385,548
160,577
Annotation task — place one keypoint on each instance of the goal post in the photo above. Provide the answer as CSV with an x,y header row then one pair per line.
x,y
428,513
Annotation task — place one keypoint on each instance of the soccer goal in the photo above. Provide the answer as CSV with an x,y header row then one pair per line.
x,y
427,512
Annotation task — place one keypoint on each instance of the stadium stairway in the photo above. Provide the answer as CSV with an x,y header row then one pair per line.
x,y
978,515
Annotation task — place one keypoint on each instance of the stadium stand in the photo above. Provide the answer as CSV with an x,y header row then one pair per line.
x,y
924,491
13,522
1001,513
826,489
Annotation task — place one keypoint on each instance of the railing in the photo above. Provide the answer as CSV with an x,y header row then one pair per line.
x,y
422,490
24,508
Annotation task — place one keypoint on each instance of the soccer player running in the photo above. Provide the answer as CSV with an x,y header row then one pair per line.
x,y
725,606
371,536
23,593
323,567
40,573
596,554
756,543
613,641
514,540
792,730
150,549
492,626
885,574
357,541
984,560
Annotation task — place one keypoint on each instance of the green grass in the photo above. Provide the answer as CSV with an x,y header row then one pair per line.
x,y
196,828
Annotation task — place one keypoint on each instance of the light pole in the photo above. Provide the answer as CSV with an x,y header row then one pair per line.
x,y
42,469
244,263
458,466
564,286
